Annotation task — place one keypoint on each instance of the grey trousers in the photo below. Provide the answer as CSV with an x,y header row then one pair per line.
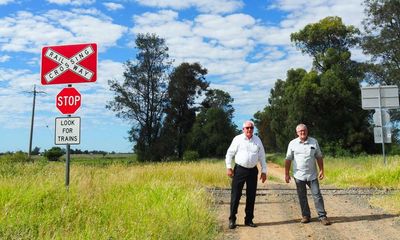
x,y
316,194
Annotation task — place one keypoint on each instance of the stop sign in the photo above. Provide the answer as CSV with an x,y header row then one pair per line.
x,y
68,100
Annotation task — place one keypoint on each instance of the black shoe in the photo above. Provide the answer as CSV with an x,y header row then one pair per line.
x,y
250,224
232,224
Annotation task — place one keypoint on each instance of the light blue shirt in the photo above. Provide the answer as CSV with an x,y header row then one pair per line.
x,y
247,152
304,155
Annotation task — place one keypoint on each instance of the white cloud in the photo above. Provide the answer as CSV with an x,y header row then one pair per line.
x,y
206,6
72,2
113,6
26,32
5,2
303,12
4,58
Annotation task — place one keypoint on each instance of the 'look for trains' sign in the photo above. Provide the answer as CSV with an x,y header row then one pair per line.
x,y
69,64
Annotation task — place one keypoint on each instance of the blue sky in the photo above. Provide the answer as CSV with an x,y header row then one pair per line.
x,y
245,46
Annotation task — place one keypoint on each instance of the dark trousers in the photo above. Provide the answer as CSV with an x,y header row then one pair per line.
x,y
241,176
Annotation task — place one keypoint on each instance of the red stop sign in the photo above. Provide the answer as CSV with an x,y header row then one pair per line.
x,y
68,100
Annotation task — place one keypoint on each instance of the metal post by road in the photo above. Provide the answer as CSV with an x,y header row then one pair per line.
x,y
67,167
383,137
67,162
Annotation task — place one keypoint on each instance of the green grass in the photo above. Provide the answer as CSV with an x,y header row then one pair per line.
x,y
115,197
151,201
363,171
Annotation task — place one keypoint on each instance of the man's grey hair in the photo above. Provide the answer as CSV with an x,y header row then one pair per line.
x,y
248,121
301,125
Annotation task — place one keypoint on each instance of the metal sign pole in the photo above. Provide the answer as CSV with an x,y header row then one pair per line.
x,y
67,162
383,136
67,167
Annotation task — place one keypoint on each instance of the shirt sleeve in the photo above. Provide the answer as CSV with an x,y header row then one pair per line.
x,y
261,157
289,152
318,153
231,152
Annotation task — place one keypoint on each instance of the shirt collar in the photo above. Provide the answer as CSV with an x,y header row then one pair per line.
x,y
306,141
245,137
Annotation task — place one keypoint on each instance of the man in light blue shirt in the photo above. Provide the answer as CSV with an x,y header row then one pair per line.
x,y
248,150
304,152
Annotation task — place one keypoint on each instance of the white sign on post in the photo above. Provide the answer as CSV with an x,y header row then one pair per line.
x,y
68,131
387,135
388,96
381,118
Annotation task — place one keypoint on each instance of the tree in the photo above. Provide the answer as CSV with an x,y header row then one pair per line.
x,y
213,130
327,98
141,98
328,36
54,153
382,40
187,82
35,151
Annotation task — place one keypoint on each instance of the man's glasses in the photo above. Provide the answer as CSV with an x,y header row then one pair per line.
x,y
249,128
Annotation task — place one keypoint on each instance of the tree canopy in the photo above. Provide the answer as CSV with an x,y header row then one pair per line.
x,y
213,130
141,98
327,98
382,40
187,83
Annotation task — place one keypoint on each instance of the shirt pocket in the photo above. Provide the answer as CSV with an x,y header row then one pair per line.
x,y
253,148
312,151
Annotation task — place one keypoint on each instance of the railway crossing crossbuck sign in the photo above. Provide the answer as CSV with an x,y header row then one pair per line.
x,y
69,64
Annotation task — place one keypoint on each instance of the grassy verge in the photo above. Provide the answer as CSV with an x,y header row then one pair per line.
x,y
361,171
152,201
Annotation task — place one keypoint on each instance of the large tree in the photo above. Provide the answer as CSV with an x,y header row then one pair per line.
x,y
327,98
325,38
141,97
213,130
382,40
187,82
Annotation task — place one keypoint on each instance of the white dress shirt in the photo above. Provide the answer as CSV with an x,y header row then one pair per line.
x,y
247,152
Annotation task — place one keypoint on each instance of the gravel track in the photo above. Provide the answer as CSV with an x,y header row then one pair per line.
x,y
277,214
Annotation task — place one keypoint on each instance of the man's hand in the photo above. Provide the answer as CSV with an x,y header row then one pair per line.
x,y
321,175
229,172
263,177
287,178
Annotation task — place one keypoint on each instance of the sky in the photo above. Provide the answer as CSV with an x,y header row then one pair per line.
x,y
244,44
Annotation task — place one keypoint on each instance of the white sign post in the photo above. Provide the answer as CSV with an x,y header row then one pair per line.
x,y
68,131
380,98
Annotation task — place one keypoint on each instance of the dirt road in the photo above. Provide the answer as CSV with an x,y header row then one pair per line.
x,y
277,214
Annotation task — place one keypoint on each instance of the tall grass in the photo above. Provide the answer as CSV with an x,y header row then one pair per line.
x,y
363,171
152,201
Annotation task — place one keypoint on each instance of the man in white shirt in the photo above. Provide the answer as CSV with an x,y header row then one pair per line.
x,y
248,150
304,152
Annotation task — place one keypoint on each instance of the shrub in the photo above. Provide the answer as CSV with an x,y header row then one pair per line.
x,y
191,155
54,153
18,156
